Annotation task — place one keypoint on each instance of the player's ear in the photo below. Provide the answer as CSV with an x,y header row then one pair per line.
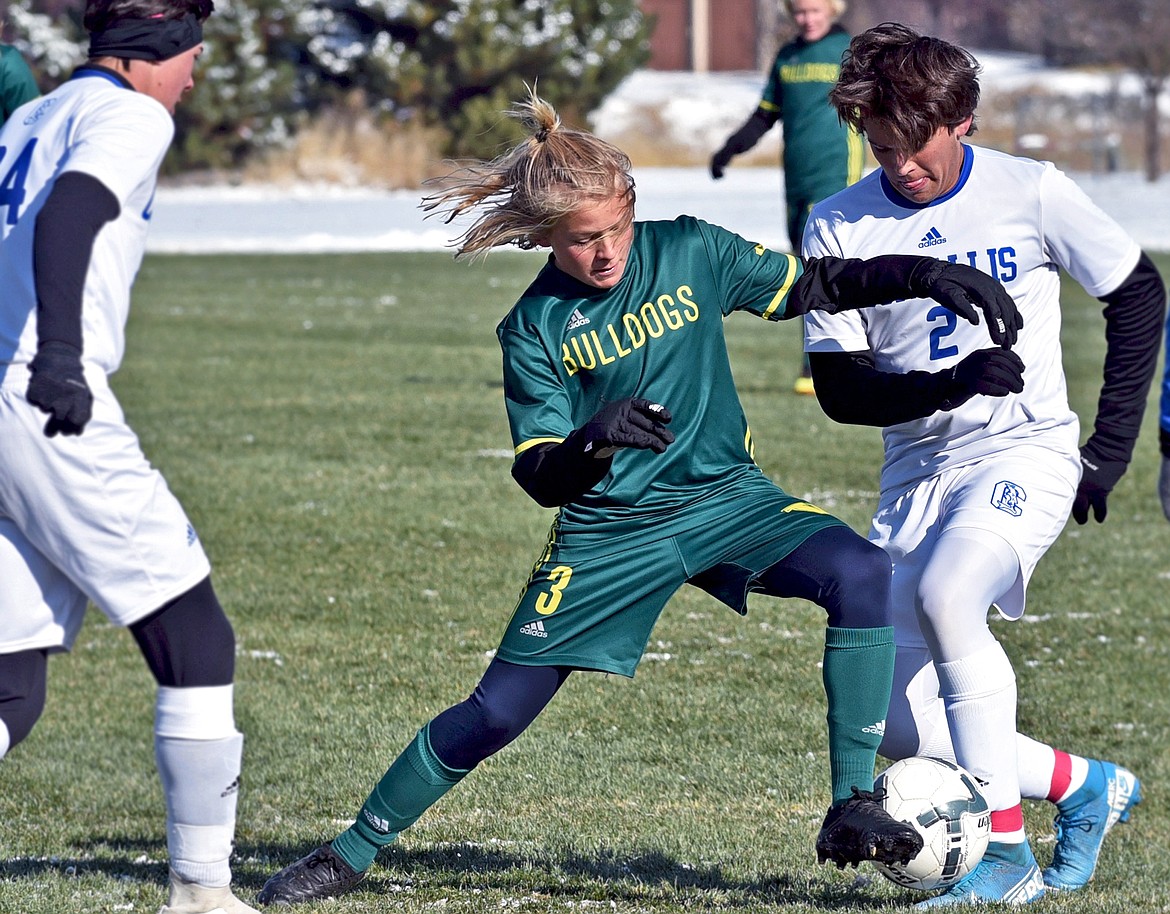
x,y
540,239
964,126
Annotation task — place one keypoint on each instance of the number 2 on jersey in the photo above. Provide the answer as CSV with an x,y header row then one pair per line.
x,y
12,191
939,333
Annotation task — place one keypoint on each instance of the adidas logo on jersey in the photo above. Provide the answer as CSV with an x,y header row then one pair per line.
x,y
577,320
878,728
931,238
535,629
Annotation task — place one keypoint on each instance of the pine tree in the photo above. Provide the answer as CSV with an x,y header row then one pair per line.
x,y
247,97
449,64
459,63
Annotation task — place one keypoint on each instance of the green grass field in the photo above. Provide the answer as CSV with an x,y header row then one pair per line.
x,y
335,427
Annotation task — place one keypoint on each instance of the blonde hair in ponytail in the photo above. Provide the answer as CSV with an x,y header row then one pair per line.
x,y
520,195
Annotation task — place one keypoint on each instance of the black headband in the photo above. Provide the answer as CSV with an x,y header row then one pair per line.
x,y
146,39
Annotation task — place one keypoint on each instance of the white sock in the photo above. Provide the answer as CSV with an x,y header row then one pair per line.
x,y
1036,762
5,739
980,696
199,752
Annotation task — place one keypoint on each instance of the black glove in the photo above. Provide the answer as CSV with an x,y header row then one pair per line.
x,y
990,372
741,141
633,422
719,162
58,388
962,289
1098,477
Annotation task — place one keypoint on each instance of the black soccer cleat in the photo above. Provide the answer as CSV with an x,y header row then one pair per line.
x,y
322,874
859,829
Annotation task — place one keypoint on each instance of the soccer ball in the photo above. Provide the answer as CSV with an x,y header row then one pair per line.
x,y
941,801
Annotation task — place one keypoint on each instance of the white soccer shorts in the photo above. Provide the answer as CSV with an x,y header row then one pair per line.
x,y
1023,495
83,517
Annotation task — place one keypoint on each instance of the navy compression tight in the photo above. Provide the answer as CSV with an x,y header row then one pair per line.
x,y
835,568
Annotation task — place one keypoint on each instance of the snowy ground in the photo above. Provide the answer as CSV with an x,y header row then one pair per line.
x,y
747,200
699,110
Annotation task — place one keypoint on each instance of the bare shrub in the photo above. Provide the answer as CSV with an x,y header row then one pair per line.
x,y
352,145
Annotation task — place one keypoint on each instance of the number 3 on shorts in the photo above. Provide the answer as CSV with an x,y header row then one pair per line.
x,y
547,602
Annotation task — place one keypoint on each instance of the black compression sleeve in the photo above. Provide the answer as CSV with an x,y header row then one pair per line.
x,y
1134,315
189,641
851,390
749,134
556,474
833,284
67,225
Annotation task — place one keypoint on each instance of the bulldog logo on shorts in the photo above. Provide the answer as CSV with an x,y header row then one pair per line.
x,y
1007,496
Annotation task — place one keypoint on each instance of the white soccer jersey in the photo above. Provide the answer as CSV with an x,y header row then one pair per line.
x,y
1016,219
87,516
91,124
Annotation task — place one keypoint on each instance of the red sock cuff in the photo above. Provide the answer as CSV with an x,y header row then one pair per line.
x,y
1061,776
1007,820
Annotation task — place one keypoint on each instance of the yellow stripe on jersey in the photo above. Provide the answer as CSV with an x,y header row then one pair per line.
x,y
855,163
782,292
749,445
533,442
805,507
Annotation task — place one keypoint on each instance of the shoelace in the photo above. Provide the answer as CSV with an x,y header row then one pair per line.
x,y
1085,823
877,795
320,860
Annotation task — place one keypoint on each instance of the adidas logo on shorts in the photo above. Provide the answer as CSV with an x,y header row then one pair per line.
x,y
535,629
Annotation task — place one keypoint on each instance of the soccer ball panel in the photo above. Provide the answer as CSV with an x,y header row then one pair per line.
x,y
943,803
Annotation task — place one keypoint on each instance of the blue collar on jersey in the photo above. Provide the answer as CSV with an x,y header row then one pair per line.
x,y
898,200
106,73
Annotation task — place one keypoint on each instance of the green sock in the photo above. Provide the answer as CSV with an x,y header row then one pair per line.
x,y
858,673
410,786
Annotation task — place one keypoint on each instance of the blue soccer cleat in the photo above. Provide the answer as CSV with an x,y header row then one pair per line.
x,y
1082,821
1007,874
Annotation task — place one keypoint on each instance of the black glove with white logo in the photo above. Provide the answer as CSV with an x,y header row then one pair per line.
x,y
1098,477
58,388
989,372
634,422
962,289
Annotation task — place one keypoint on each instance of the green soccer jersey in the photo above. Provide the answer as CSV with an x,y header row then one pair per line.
x,y
569,348
17,84
821,155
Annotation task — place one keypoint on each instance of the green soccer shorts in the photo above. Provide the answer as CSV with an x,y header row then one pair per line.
x,y
592,601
